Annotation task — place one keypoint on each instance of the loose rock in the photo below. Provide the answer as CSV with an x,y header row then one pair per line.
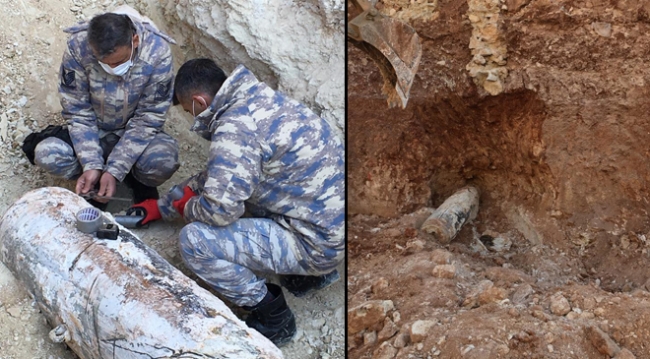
x,y
601,341
369,338
420,330
559,305
387,331
444,271
368,315
520,296
385,351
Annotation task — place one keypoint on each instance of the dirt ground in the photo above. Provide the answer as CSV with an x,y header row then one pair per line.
x,y
559,155
31,46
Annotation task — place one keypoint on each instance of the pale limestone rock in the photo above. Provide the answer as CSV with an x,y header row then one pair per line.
x,y
420,330
294,46
368,315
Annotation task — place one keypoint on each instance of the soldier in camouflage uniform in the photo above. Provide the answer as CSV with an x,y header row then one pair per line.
x,y
116,88
274,158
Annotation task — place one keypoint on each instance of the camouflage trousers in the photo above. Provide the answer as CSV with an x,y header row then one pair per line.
x,y
156,165
225,257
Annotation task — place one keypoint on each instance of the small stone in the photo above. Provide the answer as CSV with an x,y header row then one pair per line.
x,y
379,285
369,338
520,296
550,348
14,311
474,18
22,101
587,315
572,315
467,349
387,331
603,29
385,351
559,305
625,354
444,271
599,312
601,341
368,315
420,330
441,63
396,317
485,292
440,256
401,340
415,246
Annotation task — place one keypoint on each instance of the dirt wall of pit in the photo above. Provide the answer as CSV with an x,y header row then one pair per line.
x,y
541,104
294,46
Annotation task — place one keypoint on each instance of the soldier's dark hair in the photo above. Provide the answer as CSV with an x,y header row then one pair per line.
x,y
108,31
198,75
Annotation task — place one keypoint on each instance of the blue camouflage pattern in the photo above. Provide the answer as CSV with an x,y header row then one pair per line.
x,y
155,165
275,158
134,107
225,257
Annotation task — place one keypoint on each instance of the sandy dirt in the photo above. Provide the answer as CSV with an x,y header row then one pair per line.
x,y
31,46
560,158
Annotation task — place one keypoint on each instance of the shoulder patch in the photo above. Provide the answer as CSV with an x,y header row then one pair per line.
x,y
67,78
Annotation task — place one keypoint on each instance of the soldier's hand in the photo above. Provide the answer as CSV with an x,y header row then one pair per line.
x,y
148,209
179,205
107,185
87,181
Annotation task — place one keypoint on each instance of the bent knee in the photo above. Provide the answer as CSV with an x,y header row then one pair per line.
x,y
57,157
158,162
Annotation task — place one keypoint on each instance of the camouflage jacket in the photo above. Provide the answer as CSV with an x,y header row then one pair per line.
x,y
274,157
134,107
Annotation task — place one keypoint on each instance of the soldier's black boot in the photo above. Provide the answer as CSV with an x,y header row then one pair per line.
x,y
272,317
301,285
141,191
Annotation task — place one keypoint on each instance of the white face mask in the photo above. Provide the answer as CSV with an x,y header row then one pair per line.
x,y
121,69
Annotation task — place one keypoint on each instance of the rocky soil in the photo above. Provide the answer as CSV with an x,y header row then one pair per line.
x,y
31,46
471,299
542,106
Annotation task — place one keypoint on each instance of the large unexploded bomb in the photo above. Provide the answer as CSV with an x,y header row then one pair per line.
x,y
115,298
446,221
